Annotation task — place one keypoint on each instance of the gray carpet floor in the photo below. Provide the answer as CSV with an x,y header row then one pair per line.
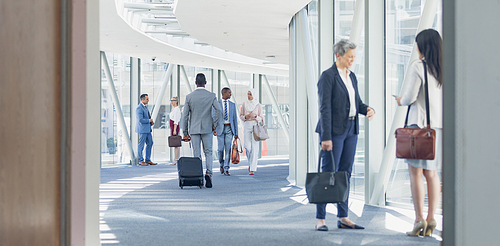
x,y
145,206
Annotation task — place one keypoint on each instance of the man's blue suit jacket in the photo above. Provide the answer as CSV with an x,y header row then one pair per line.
x,y
142,114
233,118
335,105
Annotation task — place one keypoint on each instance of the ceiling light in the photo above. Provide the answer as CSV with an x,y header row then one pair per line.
x,y
270,57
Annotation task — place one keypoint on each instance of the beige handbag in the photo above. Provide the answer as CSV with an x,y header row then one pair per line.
x,y
260,132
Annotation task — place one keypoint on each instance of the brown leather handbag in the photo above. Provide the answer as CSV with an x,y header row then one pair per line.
x,y
174,141
236,150
417,143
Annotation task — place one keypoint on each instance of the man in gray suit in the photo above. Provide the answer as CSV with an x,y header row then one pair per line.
x,y
198,123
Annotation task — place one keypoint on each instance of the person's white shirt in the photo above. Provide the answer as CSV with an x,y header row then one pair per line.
x,y
175,115
224,104
415,96
350,89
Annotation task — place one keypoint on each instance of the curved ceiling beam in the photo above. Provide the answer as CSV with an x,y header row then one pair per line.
x,y
118,36
257,28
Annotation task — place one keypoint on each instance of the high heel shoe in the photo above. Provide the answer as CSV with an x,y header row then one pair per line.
x,y
420,226
431,225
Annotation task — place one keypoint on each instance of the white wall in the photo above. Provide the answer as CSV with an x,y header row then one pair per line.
x,y
471,151
93,126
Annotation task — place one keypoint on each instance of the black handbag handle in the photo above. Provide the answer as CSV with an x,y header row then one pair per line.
x,y
427,111
321,155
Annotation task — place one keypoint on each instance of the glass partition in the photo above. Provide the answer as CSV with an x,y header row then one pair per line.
x,y
402,19
113,146
344,13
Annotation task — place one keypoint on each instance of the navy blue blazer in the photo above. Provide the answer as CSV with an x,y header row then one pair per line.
x,y
335,105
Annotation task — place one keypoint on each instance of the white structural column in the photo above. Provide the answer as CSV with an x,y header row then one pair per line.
x,y
135,85
326,35
470,123
225,83
388,158
116,101
357,21
304,142
311,88
374,89
276,108
298,136
186,80
163,88
93,127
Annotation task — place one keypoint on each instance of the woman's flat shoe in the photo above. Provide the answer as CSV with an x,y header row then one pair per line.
x,y
421,226
344,226
431,225
322,228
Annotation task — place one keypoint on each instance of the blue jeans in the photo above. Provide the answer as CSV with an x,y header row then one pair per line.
x,y
224,144
145,138
344,149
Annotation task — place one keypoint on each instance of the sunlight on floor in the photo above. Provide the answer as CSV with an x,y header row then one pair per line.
x,y
112,190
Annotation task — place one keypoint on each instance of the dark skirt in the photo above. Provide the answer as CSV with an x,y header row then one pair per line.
x,y
172,128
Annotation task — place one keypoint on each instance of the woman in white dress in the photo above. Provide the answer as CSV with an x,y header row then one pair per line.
x,y
175,117
429,47
251,114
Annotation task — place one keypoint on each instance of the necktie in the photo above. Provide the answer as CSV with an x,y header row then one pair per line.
x,y
146,107
225,110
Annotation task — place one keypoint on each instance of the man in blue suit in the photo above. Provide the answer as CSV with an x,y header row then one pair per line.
x,y
143,127
227,127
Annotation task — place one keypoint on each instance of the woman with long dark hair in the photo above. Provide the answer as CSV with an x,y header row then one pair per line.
x,y
429,47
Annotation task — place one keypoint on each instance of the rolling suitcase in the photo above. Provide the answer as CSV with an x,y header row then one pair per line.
x,y
190,171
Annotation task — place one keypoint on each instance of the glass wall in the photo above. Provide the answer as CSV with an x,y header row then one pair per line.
x,y
344,13
402,19
277,143
152,76
113,147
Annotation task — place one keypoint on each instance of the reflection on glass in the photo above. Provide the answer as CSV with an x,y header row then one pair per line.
x,y
402,19
113,140
113,147
344,14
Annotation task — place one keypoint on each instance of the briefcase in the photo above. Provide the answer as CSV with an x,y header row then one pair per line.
x,y
327,187
174,141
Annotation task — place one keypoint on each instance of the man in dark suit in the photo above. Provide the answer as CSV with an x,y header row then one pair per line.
x,y
227,127
338,125
143,127
198,123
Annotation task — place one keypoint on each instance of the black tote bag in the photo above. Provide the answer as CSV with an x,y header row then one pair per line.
x,y
327,187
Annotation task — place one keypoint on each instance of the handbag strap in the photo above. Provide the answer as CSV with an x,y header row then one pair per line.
x,y
239,147
321,155
427,111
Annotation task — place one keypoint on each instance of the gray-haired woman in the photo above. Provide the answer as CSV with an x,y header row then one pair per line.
x,y
338,125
